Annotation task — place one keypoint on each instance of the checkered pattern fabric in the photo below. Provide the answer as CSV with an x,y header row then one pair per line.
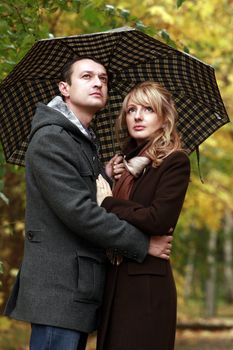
x,y
131,57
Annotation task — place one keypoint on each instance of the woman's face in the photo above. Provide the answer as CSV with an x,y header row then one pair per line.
x,y
142,121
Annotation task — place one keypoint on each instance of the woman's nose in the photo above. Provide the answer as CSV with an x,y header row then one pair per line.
x,y
138,115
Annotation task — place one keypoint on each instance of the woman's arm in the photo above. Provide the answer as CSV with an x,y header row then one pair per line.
x,y
164,211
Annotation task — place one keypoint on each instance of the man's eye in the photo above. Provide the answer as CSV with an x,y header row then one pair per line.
x,y
86,76
104,79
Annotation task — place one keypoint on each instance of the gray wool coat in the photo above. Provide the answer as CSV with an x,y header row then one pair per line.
x,y
61,279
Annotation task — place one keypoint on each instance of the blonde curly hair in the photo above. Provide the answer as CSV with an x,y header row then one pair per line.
x,y
166,139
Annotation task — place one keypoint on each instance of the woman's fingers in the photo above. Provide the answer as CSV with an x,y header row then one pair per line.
x,y
114,162
104,186
103,190
118,167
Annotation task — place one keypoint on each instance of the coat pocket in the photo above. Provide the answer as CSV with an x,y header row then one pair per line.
x,y
91,279
151,266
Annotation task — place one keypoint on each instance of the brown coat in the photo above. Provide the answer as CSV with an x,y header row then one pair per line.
x,y
139,310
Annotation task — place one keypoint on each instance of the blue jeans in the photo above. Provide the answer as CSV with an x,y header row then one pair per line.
x,y
55,338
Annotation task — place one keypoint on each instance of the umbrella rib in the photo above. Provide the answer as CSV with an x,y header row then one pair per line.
x,y
109,109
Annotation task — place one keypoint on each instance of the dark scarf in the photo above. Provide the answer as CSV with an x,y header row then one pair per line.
x,y
133,168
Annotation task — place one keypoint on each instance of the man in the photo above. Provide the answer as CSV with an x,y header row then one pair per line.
x,y
60,283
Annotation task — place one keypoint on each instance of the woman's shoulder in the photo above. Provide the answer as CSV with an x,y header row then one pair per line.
x,y
176,163
178,157
178,154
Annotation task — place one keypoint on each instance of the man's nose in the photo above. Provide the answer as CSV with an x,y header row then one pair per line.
x,y
97,81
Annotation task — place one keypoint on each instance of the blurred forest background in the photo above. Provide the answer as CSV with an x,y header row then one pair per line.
x,y
202,251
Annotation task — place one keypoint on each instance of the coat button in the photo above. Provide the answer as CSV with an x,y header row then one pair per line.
x,y
30,235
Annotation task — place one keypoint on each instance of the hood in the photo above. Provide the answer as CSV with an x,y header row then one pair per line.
x,y
45,116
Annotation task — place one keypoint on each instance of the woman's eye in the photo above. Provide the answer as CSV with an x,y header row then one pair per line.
x,y
149,109
131,110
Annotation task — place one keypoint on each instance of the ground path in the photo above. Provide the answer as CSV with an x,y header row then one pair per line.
x,y
195,340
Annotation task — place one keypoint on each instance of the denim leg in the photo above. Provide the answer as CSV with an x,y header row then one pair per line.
x,y
55,338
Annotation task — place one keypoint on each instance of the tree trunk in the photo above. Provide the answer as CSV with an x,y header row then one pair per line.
x,y
189,272
211,276
228,254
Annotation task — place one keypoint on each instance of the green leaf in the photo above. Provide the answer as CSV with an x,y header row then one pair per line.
x,y
179,3
166,37
3,26
4,198
110,9
140,25
8,46
12,63
1,267
77,4
2,171
125,14
54,9
2,158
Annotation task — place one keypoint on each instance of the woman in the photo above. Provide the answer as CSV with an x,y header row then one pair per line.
x,y
139,310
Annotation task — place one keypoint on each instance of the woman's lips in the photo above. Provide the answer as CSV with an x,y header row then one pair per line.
x,y
138,127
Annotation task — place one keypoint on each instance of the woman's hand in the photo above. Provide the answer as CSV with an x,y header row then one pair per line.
x,y
103,189
115,167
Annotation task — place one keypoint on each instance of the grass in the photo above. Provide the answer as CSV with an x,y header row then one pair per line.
x,y
13,335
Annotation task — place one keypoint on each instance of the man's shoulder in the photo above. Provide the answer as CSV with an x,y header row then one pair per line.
x,y
50,121
45,130
44,108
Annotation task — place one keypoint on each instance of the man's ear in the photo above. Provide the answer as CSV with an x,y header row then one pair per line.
x,y
64,88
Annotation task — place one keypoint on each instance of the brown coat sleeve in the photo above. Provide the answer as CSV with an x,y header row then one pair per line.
x,y
166,186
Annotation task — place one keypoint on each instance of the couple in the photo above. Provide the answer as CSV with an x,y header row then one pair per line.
x,y
60,285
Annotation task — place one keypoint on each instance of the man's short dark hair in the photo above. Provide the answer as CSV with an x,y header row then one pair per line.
x,y
67,69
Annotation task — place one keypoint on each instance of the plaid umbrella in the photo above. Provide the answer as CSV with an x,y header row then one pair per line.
x,y
131,57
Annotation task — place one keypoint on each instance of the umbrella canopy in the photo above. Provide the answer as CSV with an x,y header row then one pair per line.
x,y
131,57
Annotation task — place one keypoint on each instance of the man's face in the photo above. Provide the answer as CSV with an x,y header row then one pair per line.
x,y
88,89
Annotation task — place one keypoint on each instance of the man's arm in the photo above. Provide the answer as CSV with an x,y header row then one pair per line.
x,y
54,166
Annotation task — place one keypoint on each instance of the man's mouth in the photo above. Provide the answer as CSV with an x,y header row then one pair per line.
x,y
96,94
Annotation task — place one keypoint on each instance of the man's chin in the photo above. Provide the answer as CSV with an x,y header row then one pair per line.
x,y
96,107
98,104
